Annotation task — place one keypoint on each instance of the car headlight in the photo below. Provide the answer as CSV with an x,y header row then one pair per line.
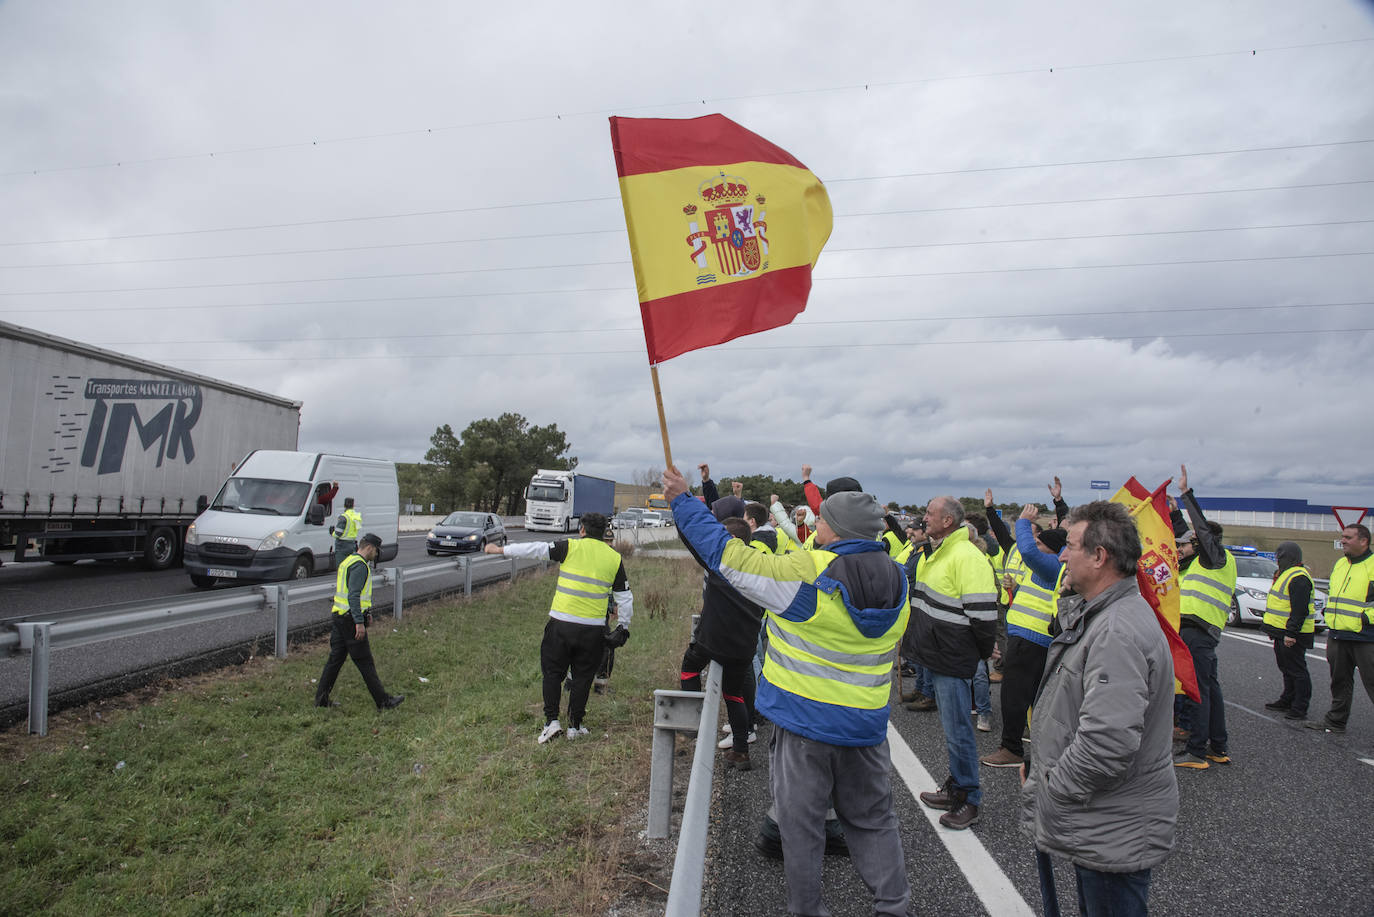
x,y
1255,593
433,536
472,538
191,536
272,541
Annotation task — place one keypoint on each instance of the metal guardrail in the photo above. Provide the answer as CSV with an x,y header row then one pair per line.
x,y
686,712
41,638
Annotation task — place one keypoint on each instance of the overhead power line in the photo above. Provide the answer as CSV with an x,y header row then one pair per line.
x,y
978,342
851,87
963,317
459,210
581,264
547,235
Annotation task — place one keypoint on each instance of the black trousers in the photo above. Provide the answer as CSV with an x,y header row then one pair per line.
x,y
1297,684
1022,666
343,644
575,647
736,687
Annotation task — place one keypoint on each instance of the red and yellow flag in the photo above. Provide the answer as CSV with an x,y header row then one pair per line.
x,y
1157,571
724,227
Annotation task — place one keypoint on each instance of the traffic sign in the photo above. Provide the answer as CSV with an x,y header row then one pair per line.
x,y
1100,485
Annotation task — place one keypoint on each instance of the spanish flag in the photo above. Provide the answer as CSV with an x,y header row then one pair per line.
x,y
1157,571
724,228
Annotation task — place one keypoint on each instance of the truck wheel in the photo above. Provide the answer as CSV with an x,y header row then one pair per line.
x,y
161,550
302,568
202,582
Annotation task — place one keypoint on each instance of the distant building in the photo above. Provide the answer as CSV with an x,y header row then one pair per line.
x,y
1274,512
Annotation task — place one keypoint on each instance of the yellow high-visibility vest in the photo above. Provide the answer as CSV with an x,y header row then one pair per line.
x,y
1279,604
341,585
1206,594
1035,607
1346,607
585,579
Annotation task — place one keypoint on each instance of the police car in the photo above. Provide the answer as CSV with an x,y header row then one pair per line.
x,y
1254,575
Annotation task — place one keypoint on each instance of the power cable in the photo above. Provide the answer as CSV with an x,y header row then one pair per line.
x,y
1007,316
546,267
979,342
391,245
411,132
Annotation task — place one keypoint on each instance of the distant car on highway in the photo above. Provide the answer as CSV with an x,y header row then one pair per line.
x,y
1254,576
465,532
625,520
655,519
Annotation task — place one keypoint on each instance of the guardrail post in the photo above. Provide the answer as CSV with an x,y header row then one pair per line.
x,y
512,569
674,712
36,636
467,577
276,597
397,575
689,863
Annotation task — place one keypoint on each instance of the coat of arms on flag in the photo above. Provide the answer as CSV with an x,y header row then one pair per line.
x,y
734,227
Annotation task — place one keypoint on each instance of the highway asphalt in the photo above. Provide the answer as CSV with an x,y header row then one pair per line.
x,y
1281,831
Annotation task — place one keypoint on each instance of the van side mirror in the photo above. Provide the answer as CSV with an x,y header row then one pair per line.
x,y
314,515
202,504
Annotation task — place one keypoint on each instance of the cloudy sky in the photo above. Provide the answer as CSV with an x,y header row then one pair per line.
x,y
1086,239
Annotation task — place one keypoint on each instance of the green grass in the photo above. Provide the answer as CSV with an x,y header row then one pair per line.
x,y
233,794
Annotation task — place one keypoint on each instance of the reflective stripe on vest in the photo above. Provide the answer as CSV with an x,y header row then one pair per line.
x,y
585,579
352,522
1206,594
1279,604
1033,606
826,659
1346,608
341,586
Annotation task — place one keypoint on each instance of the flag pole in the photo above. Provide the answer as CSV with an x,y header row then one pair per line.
x,y
662,421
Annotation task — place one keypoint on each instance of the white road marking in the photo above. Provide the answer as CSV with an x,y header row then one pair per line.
x,y
1265,641
997,893
1369,761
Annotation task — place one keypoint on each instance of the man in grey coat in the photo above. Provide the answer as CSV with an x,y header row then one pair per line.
x,y
1099,788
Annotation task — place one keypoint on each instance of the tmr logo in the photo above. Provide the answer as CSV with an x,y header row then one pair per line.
x,y
117,411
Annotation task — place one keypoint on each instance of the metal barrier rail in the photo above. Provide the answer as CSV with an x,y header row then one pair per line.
x,y
40,638
674,712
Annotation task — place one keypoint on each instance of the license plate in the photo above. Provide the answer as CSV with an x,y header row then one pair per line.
x,y
217,571
449,542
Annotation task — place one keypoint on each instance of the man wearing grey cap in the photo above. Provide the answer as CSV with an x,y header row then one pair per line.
x,y
835,617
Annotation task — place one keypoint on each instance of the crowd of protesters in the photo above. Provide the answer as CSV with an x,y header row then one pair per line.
x,y
810,610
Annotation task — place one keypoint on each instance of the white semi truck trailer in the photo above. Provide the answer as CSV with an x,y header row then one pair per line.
x,y
105,456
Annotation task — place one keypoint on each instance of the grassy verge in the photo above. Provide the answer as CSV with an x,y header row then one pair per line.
x,y
232,794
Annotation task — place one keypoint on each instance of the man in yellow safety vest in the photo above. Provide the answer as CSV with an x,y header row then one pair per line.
x,y
1350,622
1290,621
351,618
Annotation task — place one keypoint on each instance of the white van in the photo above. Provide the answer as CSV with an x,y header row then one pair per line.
x,y
268,522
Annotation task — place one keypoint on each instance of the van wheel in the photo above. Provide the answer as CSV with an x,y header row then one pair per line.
x,y
302,568
161,550
202,582
1234,617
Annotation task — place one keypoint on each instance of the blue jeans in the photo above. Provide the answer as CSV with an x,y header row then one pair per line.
x,y
1112,894
954,695
982,690
923,680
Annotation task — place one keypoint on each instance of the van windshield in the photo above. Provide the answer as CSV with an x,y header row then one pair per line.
x,y
554,493
262,497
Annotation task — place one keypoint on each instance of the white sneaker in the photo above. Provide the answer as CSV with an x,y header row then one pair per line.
x,y
551,731
576,731
729,740
984,723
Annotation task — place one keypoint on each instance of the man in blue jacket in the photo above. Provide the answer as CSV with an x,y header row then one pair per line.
x,y
835,616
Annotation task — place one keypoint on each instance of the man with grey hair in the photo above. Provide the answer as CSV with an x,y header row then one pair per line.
x,y
954,621
1099,788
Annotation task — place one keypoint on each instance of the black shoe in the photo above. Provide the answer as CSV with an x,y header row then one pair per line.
x,y
1325,725
1295,715
739,760
769,841
1278,705
962,816
326,703
836,845
391,702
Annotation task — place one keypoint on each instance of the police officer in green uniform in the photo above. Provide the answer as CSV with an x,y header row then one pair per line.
x,y
575,636
352,615
346,530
